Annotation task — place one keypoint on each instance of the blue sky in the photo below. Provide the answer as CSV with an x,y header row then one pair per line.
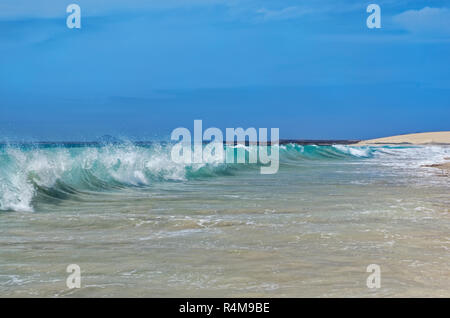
x,y
139,68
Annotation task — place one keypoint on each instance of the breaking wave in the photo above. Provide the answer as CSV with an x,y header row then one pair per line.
x,y
29,173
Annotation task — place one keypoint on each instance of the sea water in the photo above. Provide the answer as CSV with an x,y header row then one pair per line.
x,y
138,224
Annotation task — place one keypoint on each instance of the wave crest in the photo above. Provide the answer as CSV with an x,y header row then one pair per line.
x,y
60,172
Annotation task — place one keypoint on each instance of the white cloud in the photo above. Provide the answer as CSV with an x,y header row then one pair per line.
x,y
309,8
426,21
285,13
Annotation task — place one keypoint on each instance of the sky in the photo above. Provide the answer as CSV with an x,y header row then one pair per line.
x,y
138,69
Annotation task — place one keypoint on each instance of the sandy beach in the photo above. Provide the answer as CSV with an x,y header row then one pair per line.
x,y
428,138
444,166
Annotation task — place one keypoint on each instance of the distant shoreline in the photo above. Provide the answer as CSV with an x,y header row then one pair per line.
x,y
428,138
318,142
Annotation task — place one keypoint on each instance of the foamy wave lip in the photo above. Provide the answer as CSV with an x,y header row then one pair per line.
x,y
362,152
18,197
21,171
25,172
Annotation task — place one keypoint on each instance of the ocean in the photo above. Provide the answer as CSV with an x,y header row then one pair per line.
x,y
138,224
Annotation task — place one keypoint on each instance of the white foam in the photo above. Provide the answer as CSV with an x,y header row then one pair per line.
x,y
354,151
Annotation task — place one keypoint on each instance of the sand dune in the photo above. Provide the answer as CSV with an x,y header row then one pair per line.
x,y
428,138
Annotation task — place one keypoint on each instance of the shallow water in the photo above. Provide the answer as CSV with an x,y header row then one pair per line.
x,y
139,225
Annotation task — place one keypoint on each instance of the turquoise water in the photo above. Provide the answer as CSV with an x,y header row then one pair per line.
x,y
139,224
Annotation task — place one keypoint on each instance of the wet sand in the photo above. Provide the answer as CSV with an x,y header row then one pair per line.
x,y
444,166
